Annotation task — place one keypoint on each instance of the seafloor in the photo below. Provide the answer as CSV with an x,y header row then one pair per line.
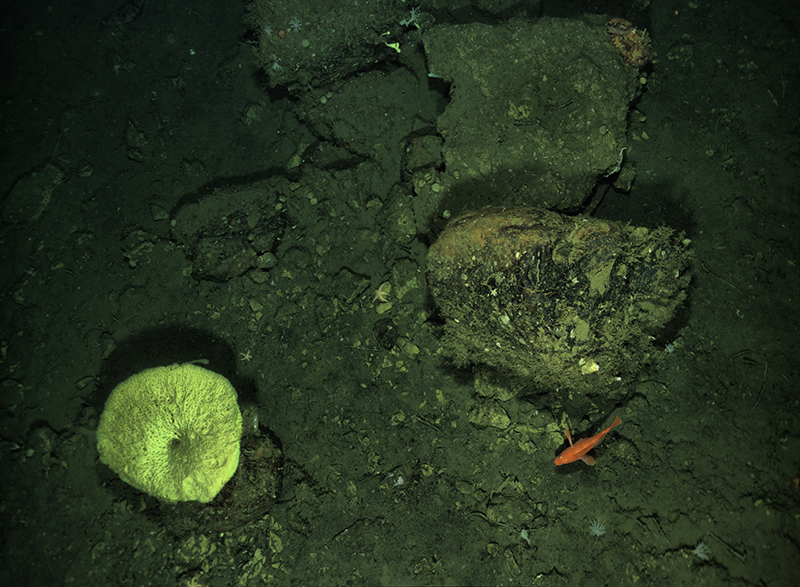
x,y
106,135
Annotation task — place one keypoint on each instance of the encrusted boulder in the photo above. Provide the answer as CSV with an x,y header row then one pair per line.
x,y
555,304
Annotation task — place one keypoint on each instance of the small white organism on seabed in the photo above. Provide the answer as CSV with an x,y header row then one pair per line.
x,y
702,552
413,18
597,528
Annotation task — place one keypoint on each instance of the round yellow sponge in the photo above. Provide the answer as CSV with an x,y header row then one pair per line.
x,y
173,432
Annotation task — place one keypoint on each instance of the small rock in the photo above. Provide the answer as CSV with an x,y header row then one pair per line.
x,y
490,415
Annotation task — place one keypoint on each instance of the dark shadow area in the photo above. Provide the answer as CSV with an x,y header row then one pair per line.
x,y
648,204
166,345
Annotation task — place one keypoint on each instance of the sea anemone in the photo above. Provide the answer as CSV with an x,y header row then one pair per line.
x,y
295,25
597,528
702,552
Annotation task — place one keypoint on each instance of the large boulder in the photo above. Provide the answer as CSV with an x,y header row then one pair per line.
x,y
555,304
538,113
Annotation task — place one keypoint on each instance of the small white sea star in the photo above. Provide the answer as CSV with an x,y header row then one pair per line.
x,y
382,293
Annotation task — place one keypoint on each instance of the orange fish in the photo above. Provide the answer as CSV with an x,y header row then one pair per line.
x,y
579,449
